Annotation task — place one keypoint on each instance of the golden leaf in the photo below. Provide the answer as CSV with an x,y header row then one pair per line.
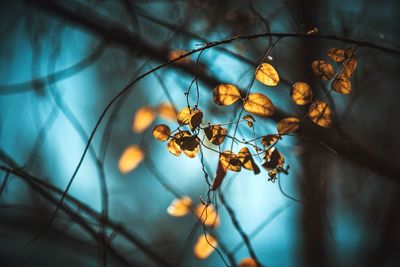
x,y
184,116
230,161
301,93
259,104
248,262
167,111
216,134
336,54
341,85
321,114
173,148
188,143
202,248
226,94
247,160
273,158
269,139
130,158
250,120
288,125
322,69
142,119
161,132
267,75
195,119
349,67
180,207
174,54
207,215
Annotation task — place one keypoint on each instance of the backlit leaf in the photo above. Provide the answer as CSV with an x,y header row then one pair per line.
x,y
247,160
321,114
250,120
349,67
230,161
161,132
248,262
269,139
336,54
167,111
288,125
226,94
195,119
207,215
180,207
188,143
130,158
184,116
219,176
267,75
259,104
301,93
273,158
322,69
341,85
216,134
202,248
173,148
174,54
142,119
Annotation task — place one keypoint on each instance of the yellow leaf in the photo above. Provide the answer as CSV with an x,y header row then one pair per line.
x,y
288,125
250,120
226,94
130,158
247,160
341,85
259,104
142,119
336,54
195,119
173,148
207,215
204,246
267,75
188,143
248,262
216,134
269,139
349,67
322,69
321,114
167,111
301,93
174,54
230,161
184,116
161,132
180,207
273,158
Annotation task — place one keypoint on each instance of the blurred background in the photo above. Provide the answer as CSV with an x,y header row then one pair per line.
x,y
61,62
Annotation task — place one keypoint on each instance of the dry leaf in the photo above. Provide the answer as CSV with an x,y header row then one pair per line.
x,y
288,125
322,69
195,119
219,176
349,67
184,116
259,104
267,75
269,139
230,161
248,262
341,85
173,148
301,93
161,132
202,248
321,114
188,143
250,120
167,111
226,94
130,158
336,54
274,159
180,207
207,215
216,134
247,160
143,118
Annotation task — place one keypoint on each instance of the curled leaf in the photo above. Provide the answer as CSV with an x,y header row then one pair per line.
x,y
204,246
207,215
250,120
273,158
174,148
195,119
321,114
161,132
226,94
341,85
230,161
349,67
259,104
219,176
322,69
130,158
247,160
301,93
248,262
167,111
269,139
180,207
216,134
188,143
267,74
288,125
336,54
142,119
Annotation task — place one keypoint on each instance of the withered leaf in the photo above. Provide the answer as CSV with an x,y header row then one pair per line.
x,y
349,66
219,176
273,158
195,119
266,74
161,132
322,69
184,116
216,134
142,119
259,104
341,85
174,148
288,125
202,248
130,158
321,114
250,120
230,160
180,207
188,143
269,139
226,94
247,160
301,93
336,54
